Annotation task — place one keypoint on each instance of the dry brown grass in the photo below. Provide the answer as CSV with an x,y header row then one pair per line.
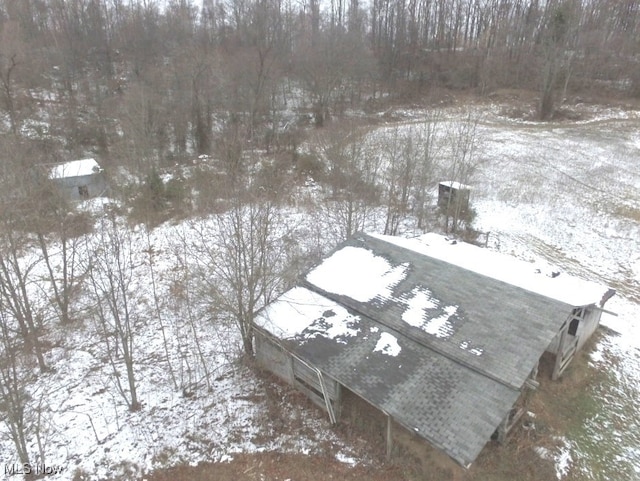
x,y
627,212
277,467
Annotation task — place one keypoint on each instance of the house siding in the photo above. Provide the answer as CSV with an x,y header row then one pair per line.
x,y
94,183
274,358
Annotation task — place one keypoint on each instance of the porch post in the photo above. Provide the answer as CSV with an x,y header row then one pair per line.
x,y
389,436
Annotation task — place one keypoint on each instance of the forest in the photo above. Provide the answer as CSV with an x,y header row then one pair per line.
x,y
149,82
241,140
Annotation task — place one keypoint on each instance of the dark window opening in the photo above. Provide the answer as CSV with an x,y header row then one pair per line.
x,y
312,388
83,191
573,326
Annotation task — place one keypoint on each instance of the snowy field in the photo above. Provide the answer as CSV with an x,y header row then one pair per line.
x,y
567,195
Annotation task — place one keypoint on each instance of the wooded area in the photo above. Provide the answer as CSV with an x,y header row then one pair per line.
x,y
146,81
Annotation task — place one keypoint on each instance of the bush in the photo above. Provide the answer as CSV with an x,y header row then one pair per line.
x,y
154,192
308,165
155,201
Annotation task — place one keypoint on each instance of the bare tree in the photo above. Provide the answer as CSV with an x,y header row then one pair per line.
x,y
351,176
159,311
332,62
409,154
430,146
16,292
192,308
401,164
59,232
250,262
13,386
555,45
258,60
464,141
12,66
244,257
111,274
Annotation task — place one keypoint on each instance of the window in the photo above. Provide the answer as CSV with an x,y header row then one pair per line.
x,y
573,326
83,191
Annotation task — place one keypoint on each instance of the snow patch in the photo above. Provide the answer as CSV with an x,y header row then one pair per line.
x,y
357,273
417,314
388,344
562,287
75,168
561,456
336,324
301,310
441,326
467,346
345,459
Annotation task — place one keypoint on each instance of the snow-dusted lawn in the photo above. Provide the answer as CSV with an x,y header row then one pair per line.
x,y
569,195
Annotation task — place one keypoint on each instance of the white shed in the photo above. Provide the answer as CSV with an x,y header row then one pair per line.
x,y
79,179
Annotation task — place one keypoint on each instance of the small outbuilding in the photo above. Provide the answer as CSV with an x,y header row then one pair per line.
x,y
453,196
440,338
79,179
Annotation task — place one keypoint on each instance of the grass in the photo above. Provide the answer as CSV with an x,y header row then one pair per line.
x,y
586,407
608,422
627,212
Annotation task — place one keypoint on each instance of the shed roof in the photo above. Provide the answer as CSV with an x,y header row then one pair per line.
x,y
75,168
558,286
443,349
455,185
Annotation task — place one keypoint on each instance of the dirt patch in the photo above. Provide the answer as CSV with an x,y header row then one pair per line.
x,y
278,467
627,212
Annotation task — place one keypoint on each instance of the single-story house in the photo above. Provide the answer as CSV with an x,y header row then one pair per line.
x,y
79,179
441,337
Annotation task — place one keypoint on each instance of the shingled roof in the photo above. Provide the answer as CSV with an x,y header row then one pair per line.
x,y
442,349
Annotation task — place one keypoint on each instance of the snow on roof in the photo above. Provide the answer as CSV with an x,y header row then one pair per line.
x,y
411,315
301,312
388,344
455,185
562,287
422,301
75,168
357,273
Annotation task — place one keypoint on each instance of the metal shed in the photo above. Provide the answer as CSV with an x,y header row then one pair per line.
x,y
79,179
439,337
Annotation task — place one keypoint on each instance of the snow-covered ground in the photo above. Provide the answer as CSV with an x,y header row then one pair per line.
x,y
565,195
569,195
199,403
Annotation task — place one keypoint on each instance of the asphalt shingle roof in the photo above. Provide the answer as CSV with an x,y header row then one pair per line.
x,y
459,370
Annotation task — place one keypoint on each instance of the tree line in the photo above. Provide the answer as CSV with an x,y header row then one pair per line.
x,y
144,79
